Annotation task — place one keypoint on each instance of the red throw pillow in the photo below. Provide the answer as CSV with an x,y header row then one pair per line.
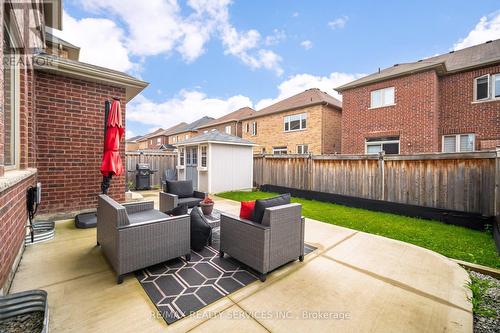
x,y
246,209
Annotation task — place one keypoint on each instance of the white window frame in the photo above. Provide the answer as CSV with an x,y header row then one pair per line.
x,y
382,99
186,136
494,85
475,88
302,146
158,140
254,128
457,142
287,120
283,150
381,143
227,129
203,155
247,127
182,157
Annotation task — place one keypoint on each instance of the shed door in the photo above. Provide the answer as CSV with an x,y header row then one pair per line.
x,y
191,165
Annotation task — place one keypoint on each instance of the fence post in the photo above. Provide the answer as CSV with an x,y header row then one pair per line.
x,y
381,166
497,184
310,170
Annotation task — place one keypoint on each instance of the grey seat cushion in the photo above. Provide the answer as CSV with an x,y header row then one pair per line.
x,y
147,215
190,202
262,204
181,188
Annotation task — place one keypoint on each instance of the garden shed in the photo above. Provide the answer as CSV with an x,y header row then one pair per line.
x,y
216,162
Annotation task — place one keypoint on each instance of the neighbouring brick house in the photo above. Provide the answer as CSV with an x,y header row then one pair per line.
x,y
131,144
51,124
306,123
447,103
185,131
152,140
230,123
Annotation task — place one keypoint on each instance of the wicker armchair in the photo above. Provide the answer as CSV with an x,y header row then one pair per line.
x,y
170,199
134,236
278,240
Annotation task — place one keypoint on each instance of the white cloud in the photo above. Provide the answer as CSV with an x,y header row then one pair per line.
x,y
129,134
163,27
307,44
277,37
187,106
300,82
295,14
339,22
488,28
100,40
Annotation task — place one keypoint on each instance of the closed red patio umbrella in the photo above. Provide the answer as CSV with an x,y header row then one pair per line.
x,y
114,130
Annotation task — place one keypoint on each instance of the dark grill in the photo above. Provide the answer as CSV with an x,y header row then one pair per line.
x,y
143,174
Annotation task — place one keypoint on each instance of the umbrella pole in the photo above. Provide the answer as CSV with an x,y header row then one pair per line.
x,y
106,180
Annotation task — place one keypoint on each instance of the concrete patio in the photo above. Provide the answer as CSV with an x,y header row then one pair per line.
x,y
353,282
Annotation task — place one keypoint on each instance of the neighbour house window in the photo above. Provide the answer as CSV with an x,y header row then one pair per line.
x,y
458,143
382,97
11,102
254,128
181,156
203,150
158,140
194,156
390,145
151,141
205,132
482,87
302,149
186,136
247,127
228,129
295,122
280,150
496,86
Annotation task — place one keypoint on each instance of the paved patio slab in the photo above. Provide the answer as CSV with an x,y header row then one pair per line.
x,y
380,284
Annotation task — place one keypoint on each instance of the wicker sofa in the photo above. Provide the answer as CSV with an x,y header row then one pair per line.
x,y
134,236
177,193
264,246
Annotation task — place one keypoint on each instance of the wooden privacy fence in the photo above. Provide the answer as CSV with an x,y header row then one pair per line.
x,y
468,182
159,161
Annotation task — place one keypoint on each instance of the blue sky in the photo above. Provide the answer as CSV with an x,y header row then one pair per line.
x,y
212,57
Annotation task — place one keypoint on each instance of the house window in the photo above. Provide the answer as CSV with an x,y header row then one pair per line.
x,y
181,156
186,136
11,102
496,86
205,132
482,87
390,145
254,128
203,151
174,139
280,150
247,127
194,157
302,149
151,141
382,97
295,122
228,129
158,140
459,143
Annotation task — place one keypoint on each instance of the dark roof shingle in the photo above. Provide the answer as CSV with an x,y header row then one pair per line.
x,y
233,116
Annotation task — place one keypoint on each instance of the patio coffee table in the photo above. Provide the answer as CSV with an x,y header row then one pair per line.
x,y
213,221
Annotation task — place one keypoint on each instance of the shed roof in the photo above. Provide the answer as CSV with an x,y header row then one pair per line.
x,y
215,136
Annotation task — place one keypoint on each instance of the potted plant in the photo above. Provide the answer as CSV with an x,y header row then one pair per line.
x,y
207,205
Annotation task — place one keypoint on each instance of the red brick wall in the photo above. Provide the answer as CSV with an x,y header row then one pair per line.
x,y
69,118
13,217
155,144
413,118
459,114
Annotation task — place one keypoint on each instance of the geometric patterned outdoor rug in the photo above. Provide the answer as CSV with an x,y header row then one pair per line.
x,y
179,288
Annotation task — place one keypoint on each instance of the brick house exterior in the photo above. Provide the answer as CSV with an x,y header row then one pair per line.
x,y
229,123
433,101
322,134
56,135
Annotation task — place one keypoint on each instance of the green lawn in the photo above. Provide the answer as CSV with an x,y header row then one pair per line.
x,y
452,241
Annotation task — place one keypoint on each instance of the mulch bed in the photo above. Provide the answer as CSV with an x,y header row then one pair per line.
x,y
487,324
26,323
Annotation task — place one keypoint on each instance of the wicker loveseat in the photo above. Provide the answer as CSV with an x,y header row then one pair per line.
x,y
134,236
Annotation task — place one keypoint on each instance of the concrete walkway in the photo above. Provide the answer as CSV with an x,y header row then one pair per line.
x,y
353,282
